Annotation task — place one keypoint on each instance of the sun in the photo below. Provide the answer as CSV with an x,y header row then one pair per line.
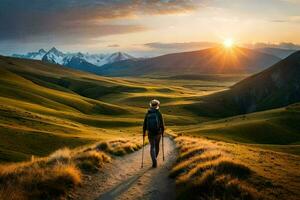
x,y
228,43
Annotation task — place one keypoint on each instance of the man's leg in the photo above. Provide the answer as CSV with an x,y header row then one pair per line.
x,y
152,150
157,140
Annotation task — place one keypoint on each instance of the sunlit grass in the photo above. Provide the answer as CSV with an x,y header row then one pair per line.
x,y
208,169
53,176
44,102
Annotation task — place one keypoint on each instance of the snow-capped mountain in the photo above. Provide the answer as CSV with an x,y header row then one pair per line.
x,y
54,56
32,55
75,59
101,59
115,57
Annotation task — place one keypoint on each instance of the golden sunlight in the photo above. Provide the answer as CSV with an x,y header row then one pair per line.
x,y
228,43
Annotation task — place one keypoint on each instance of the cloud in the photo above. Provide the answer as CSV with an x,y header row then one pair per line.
x,y
180,46
113,45
290,19
69,33
282,45
33,19
292,1
279,20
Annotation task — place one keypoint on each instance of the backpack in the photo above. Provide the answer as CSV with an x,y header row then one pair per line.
x,y
153,123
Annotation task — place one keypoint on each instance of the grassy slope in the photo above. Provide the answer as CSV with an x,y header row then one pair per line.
x,y
45,107
52,177
275,87
272,128
36,119
207,169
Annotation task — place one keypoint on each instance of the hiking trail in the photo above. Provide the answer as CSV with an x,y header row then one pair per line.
x,y
124,178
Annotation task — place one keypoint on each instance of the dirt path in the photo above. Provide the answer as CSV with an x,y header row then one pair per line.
x,y
125,179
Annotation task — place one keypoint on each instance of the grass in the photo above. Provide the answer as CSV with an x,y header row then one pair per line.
x,y
53,176
91,161
44,108
272,129
38,179
207,169
120,147
49,104
34,182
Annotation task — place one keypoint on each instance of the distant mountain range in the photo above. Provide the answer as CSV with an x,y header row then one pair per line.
x,y
280,53
81,61
218,60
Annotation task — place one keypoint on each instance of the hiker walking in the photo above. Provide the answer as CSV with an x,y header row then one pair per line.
x,y
154,125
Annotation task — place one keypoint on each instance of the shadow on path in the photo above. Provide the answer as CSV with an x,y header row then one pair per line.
x,y
123,179
122,187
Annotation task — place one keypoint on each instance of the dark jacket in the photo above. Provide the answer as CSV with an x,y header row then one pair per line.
x,y
160,118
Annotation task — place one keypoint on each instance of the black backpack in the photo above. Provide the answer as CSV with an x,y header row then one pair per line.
x,y
153,123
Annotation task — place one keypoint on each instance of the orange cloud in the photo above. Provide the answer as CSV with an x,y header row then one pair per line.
x,y
34,19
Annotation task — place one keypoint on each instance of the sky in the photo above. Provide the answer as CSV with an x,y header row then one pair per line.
x,y
146,27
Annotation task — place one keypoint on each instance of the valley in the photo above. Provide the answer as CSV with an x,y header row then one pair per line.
x,y
44,102
46,108
149,100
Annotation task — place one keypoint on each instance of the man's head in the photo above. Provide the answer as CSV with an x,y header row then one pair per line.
x,y
154,104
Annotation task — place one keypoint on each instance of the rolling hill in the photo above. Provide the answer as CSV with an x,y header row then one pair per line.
x,y
275,126
80,61
274,87
208,61
280,53
45,106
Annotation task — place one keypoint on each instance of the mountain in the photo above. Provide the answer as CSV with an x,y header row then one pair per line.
x,y
275,87
216,60
79,62
32,55
85,62
102,59
280,53
54,56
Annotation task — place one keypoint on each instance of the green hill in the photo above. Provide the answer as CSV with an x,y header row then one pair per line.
x,y
274,87
42,109
45,106
272,129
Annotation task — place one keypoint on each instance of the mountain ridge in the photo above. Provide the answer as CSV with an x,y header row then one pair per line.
x,y
56,56
281,53
274,87
216,60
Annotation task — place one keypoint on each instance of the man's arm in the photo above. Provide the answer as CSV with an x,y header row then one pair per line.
x,y
145,126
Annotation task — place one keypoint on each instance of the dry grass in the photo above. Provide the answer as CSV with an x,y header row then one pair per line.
x,y
120,147
38,180
91,161
208,169
205,172
53,176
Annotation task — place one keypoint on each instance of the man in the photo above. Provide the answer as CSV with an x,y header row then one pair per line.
x,y
154,125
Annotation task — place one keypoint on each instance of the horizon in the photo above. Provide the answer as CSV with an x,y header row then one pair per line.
x,y
163,27
221,45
